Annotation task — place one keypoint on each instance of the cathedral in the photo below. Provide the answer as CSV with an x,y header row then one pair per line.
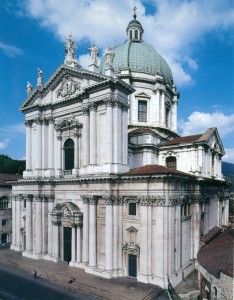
x,y
110,186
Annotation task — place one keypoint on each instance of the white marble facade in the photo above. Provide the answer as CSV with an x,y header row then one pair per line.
x,y
81,202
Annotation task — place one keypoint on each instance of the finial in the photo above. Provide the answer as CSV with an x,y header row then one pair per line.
x,y
134,14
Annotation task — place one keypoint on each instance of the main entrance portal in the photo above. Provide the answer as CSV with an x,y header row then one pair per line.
x,y
132,265
67,244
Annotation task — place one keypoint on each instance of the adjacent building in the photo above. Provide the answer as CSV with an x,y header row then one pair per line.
x,y
5,207
109,184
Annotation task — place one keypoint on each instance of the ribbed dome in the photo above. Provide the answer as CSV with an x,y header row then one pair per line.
x,y
140,57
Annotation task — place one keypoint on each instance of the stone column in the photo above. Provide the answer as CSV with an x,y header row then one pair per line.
x,y
109,130
28,124
50,227
78,244
44,143
29,227
143,264
117,134
120,243
38,200
158,106
51,144
56,239
59,154
93,135
174,115
85,244
38,156
125,134
85,138
17,223
115,234
13,206
109,235
163,115
76,152
93,232
73,254
195,229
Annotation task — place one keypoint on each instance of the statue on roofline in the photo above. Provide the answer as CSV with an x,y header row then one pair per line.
x,y
40,77
70,53
29,88
94,51
110,57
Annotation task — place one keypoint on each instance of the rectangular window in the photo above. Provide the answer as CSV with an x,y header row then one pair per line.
x,y
132,209
142,111
4,222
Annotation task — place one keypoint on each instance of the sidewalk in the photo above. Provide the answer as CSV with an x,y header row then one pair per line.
x,y
114,289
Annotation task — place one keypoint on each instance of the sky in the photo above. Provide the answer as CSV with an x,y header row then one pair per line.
x,y
196,37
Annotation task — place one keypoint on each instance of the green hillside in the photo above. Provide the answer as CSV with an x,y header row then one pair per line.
x,y
11,166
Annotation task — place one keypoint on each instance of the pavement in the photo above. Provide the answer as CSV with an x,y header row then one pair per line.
x,y
123,288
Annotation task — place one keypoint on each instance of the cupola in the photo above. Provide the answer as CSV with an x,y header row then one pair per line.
x,y
134,29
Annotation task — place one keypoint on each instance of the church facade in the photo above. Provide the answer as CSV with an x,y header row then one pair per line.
x,y
109,185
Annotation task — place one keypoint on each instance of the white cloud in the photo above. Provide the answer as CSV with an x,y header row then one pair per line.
x,y
10,50
13,129
173,30
198,122
229,155
4,144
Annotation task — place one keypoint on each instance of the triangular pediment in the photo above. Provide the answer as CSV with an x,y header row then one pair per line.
x,y
212,139
142,95
65,83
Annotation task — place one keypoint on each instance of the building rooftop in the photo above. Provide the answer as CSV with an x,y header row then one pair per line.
x,y
4,178
183,140
154,169
217,255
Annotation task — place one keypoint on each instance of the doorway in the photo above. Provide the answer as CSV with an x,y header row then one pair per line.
x,y
132,265
67,244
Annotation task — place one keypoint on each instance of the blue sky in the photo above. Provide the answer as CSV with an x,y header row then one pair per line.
x,y
195,37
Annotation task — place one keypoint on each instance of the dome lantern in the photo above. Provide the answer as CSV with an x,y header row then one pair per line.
x,y
134,29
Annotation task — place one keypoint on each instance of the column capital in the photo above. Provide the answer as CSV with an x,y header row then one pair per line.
x,y
85,110
28,198
85,199
51,120
56,222
28,123
93,200
38,120
37,198
92,106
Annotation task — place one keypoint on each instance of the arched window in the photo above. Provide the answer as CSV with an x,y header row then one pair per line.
x,y
167,117
171,162
4,203
130,34
69,154
136,34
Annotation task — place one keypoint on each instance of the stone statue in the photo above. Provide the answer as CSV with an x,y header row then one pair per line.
x,y
110,57
70,46
40,77
94,51
28,88
70,53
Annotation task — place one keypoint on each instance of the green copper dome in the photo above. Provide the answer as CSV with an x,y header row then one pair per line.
x,y
141,57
